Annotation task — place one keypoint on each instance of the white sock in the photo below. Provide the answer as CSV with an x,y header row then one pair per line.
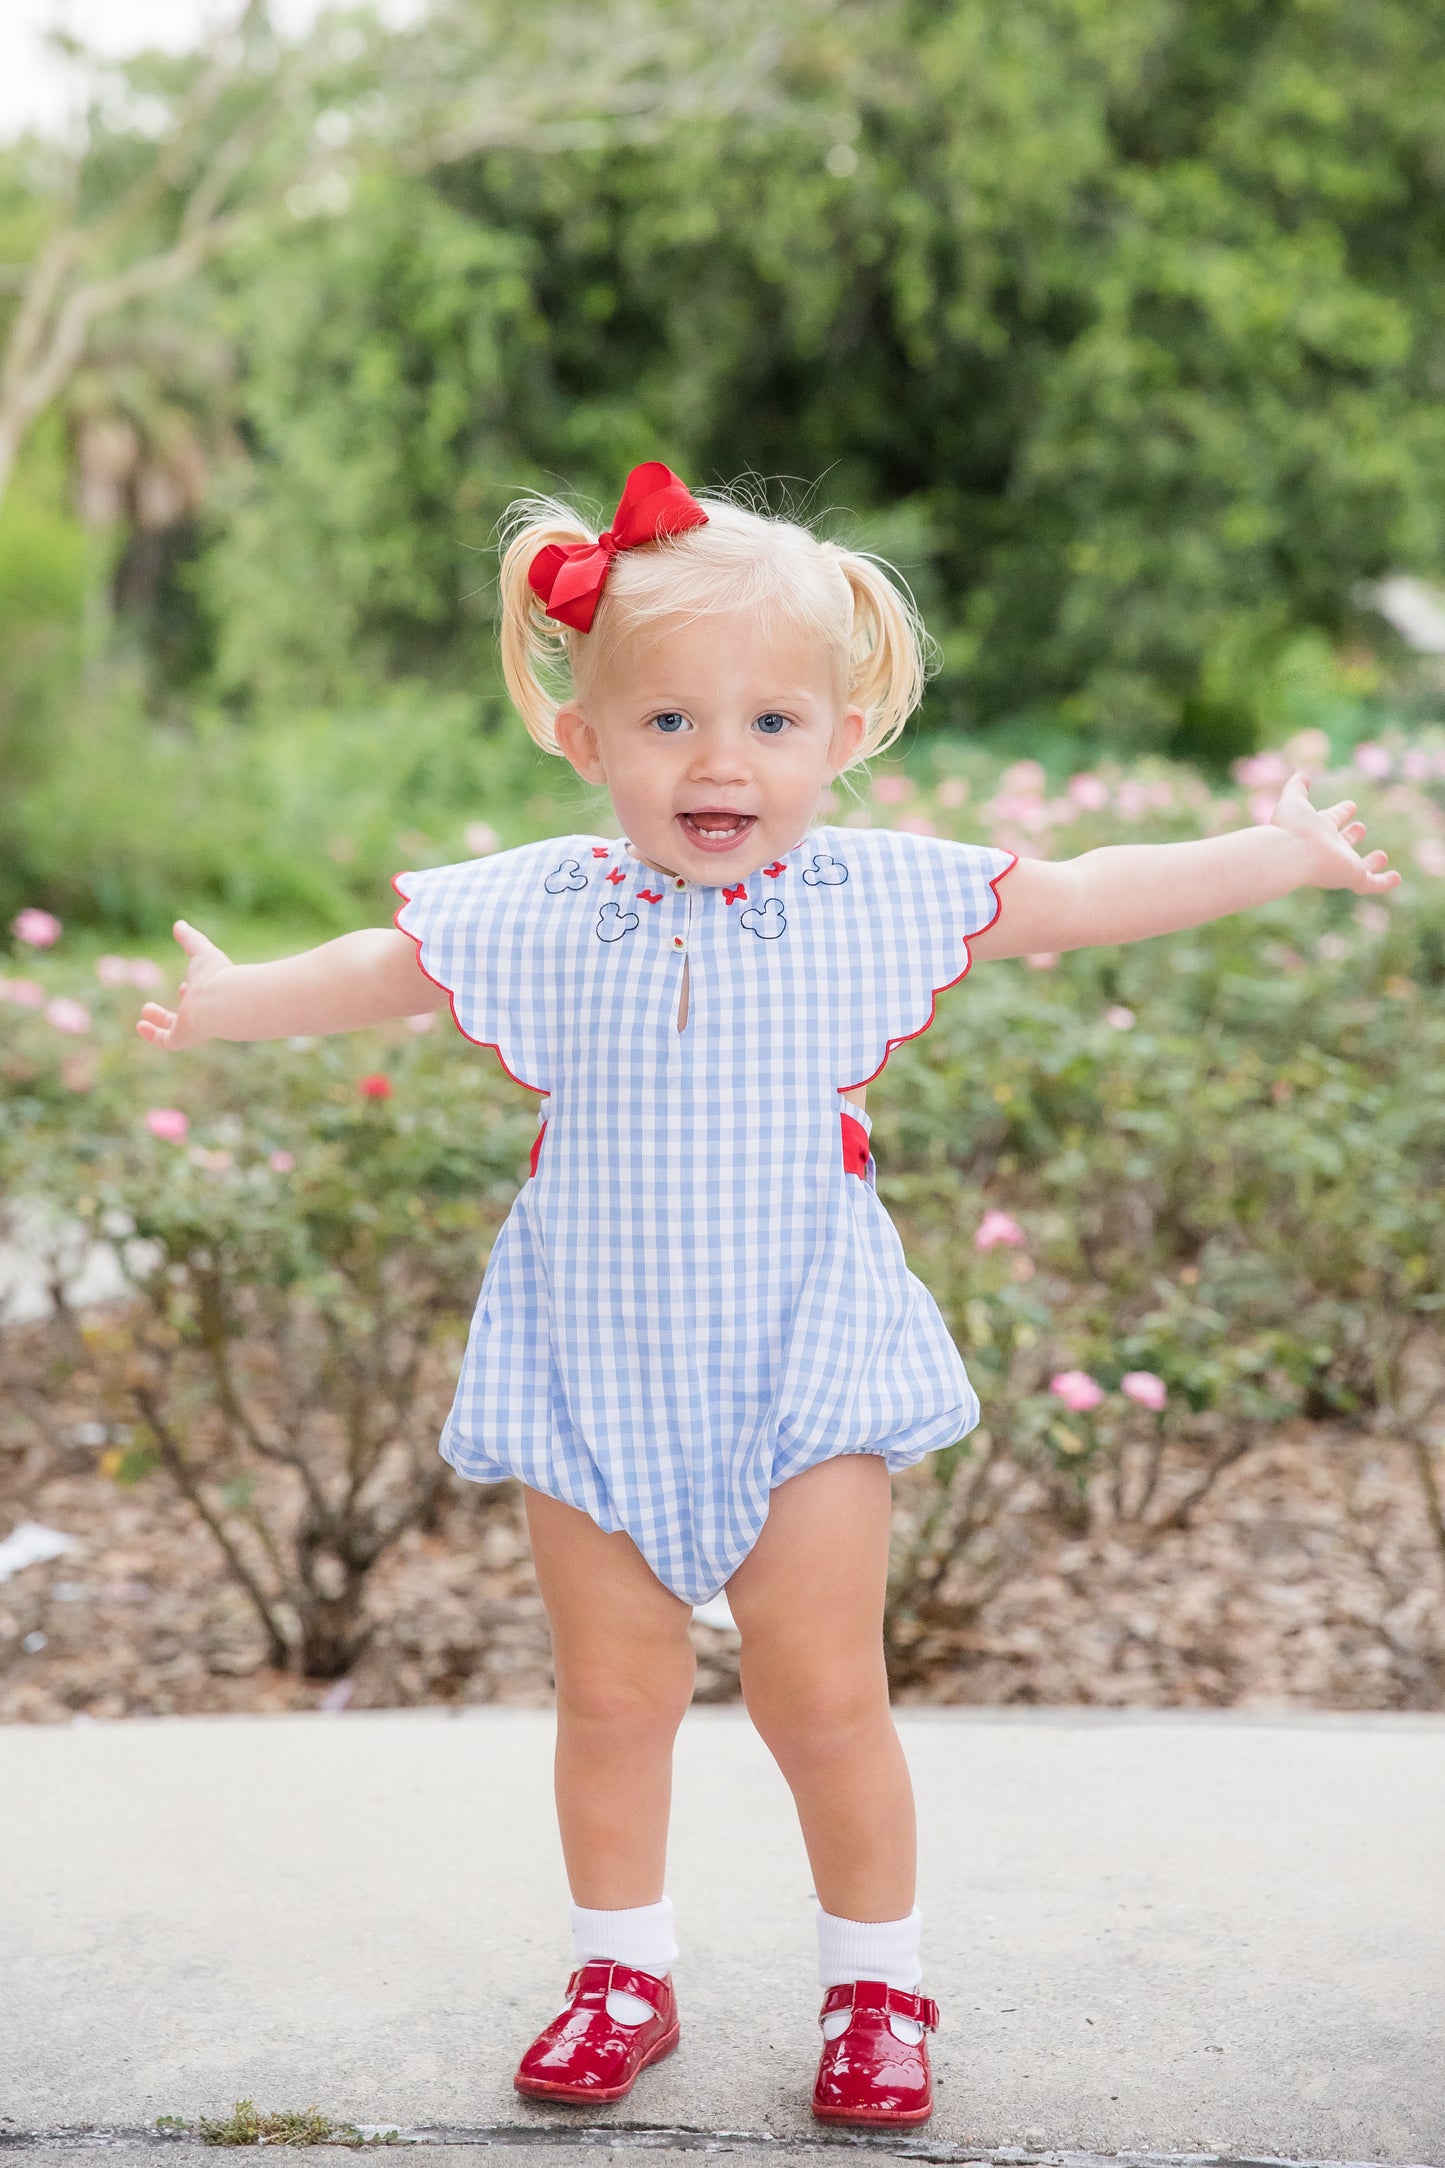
x,y
886,1950
641,1936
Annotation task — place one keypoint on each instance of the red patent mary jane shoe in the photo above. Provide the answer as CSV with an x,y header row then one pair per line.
x,y
868,2075
587,2056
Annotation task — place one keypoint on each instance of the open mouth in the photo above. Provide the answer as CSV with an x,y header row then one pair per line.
x,y
716,828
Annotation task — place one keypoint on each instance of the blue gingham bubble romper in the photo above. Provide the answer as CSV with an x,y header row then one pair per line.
x,y
693,1299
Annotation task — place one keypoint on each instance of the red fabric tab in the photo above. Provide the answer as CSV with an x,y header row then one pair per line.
x,y
855,1147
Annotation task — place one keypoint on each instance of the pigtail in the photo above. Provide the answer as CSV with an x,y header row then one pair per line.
x,y
536,650
889,651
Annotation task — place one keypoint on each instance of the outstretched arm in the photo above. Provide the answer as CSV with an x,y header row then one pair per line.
x,y
360,978
1128,891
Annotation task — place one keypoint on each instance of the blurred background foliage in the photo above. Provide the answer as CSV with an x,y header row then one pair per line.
x,y
1118,327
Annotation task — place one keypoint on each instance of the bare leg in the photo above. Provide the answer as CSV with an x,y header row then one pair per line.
x,y
808,1600
624,1667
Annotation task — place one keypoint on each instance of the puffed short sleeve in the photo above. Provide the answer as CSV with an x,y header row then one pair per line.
x,y
480,936
906,907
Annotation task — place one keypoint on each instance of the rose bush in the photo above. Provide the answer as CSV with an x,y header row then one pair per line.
x,y
1168,1196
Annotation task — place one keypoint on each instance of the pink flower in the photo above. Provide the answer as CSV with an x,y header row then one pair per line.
x,y
281,1162
167,1123
1043,960
953,790
892,789
1262,771
375,1087
1119,1018
422,1023
142,972
1332,948
1261,807
1430,855
1369,917
66,1015
1089,791
1025,775
1375,761
1144,1387
999,1227
1077,1390
37,929
916,824
480,838
1132,800
25,994
112,970
1024,808
1417,765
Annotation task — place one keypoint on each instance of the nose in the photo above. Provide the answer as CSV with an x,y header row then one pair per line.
x,y
720,755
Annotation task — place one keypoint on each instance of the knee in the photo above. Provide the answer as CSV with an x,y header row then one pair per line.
x,y
817,1714
629,1704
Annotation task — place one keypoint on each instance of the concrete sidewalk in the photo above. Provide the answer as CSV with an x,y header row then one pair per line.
x,y
1163,1934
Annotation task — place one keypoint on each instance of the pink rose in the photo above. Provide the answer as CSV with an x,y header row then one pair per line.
x,y
1262,771
1375,761
917,824
1430,855
67,1016
1261,807
999,1227
1089,791
1144,1387
1024,775
37,929
892,789
142,972
167,1123
953,790
375,1087
422,1023
1119,1018
1042,959
25,994
480,839
1077,1390
112,970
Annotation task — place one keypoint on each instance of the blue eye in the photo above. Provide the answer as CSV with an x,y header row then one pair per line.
x,y
772,726
670,722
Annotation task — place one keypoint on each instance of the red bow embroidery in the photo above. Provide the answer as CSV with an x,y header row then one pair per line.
x,y
736,895
776,868
646,896
600,850
616,875
570,580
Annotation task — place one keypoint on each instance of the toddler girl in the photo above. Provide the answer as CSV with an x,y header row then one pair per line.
x,y
697,1344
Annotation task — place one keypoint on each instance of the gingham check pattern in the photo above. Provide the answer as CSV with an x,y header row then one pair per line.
x,y
693,1300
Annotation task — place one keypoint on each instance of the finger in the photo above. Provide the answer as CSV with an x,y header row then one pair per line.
x,y
192,940
1341,812
1376,861
1375,884
1352,831
1297,787
155,1013
156,1034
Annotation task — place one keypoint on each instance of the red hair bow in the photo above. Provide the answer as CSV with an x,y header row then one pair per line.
x,y
570,581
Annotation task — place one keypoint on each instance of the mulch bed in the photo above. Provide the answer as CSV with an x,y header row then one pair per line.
x,y
1310,1580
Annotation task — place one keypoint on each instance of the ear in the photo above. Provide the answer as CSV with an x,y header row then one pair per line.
x,y
848,734
578,740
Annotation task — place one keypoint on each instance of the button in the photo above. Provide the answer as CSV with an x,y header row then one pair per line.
x,y
678,942
678,881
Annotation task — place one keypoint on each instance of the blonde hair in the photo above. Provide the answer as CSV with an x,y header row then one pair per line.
x,y
741,560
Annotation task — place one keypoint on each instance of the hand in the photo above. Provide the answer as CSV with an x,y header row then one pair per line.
x,y
1329,837
176,1029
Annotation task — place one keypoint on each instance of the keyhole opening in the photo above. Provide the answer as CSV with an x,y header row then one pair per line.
x,y
682,998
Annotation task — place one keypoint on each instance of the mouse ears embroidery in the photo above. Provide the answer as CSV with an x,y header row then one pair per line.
x,y
826,871
766,920
568,875
613,923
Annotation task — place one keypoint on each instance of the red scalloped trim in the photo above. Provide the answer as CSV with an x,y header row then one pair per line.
x,y
490,1044
1002,875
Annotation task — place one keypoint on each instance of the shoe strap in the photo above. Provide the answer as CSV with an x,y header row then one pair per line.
x,y
592,1983
876,1995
